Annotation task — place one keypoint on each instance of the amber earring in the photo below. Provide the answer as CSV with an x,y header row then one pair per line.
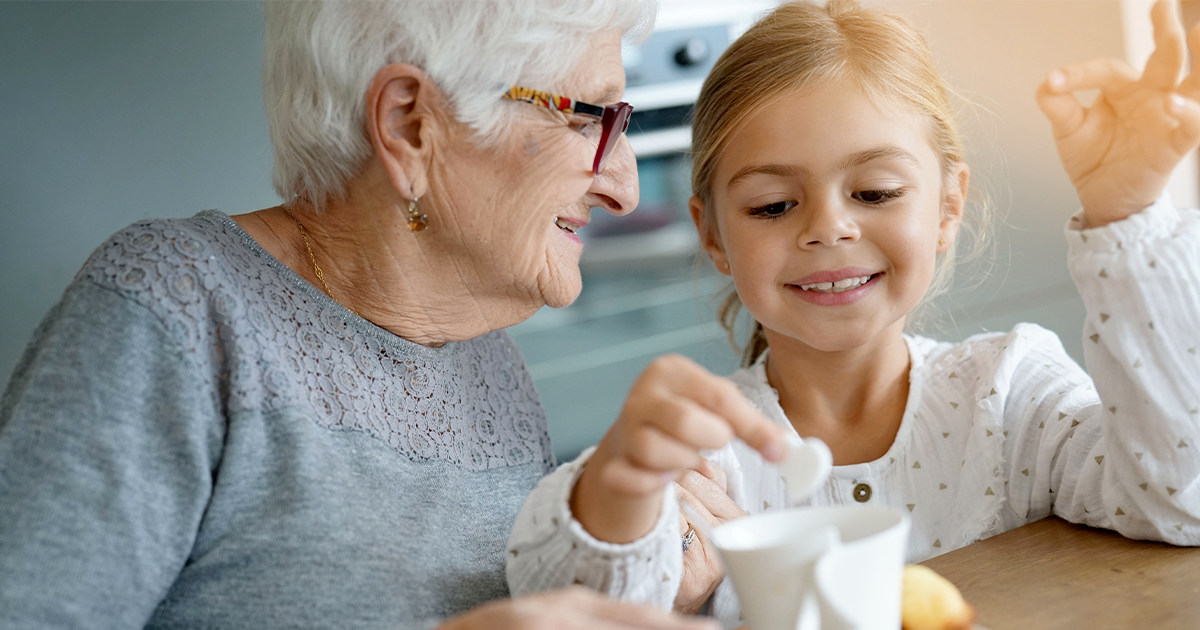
x,y
416,221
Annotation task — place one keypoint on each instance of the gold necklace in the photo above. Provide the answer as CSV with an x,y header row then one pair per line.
x,y
313,258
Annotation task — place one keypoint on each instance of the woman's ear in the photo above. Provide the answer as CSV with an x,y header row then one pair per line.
x,y
710,236
400,123
954,201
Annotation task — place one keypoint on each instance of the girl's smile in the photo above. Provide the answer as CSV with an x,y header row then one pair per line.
x,y
835,288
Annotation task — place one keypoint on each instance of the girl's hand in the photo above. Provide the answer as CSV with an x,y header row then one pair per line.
x,y
1120,151
675,409
705,490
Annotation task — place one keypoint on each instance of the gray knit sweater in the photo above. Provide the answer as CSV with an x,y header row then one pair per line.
x,y
198,438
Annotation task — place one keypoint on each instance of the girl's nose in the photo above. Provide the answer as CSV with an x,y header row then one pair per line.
x,y
829,223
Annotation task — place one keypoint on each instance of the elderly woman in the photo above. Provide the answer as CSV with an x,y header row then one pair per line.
x,y
309,415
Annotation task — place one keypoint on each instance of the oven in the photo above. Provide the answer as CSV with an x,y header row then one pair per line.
x,y
645,291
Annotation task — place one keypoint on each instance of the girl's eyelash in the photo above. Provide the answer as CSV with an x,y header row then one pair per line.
x,y
777,209
877,197
772,210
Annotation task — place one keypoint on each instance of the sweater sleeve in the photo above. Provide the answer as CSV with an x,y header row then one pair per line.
x,y
1124,456
106,458
549,548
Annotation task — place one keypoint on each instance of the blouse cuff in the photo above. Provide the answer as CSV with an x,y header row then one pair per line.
x,y
667,525
1158,220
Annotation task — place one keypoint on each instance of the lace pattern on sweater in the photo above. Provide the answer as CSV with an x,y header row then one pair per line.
x,y
263,338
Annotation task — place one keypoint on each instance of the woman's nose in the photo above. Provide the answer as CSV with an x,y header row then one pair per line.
x,y
829,223
616,189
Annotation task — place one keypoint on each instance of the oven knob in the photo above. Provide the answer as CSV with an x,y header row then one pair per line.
x,y
692,53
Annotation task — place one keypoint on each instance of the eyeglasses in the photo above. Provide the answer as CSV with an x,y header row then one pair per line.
x,y
614,119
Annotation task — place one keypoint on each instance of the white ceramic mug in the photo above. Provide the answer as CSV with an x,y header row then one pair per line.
x,y
827,568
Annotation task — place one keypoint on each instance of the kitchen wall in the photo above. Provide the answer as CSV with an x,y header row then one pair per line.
x,y
112,112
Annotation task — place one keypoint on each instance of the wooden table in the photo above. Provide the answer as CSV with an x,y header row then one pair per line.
x,y
1052,574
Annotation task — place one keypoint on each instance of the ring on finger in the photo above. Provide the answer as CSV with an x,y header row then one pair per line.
x,y
689,537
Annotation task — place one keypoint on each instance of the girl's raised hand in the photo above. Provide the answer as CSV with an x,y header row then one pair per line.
x,y
1120,151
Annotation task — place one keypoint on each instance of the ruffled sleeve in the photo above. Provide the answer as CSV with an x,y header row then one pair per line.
x,y
549,548
1135,470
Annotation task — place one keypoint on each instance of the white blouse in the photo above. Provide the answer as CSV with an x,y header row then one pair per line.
x,y
1000,430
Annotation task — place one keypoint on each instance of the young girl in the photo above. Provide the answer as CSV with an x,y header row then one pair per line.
x,y
830,185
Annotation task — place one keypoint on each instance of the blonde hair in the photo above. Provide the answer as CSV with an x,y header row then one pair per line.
x,y
802,45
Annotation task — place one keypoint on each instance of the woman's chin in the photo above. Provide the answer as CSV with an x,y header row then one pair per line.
x,y
562,288
559,282
559,301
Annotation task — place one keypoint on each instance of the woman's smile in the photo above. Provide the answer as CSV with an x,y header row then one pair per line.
x,y
570,227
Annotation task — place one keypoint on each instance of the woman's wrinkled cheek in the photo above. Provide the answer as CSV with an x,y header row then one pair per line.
x,y
532,146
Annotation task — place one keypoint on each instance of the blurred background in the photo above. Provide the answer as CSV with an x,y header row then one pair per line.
x,y
111,112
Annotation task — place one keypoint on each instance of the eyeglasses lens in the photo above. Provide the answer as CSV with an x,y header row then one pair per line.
x,y
614,123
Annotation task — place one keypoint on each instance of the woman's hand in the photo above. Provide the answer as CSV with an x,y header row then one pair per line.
x,y
675,409
571,609
705,490
1120,151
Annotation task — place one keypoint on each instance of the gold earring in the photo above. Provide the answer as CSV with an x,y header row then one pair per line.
x,y
725,265
941,242
416,221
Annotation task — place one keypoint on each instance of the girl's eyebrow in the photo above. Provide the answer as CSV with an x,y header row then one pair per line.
x,y
779,170
887,151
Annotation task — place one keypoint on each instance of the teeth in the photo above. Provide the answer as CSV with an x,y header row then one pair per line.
x,y
564,225
836,287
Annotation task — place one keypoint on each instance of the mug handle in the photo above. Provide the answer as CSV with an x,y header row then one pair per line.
x,y
832,617
811,615
816,612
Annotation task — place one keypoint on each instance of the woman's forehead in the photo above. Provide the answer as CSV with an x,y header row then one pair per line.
x,y
599,76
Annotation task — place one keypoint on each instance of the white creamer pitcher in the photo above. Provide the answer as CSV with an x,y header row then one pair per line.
x,y
823,568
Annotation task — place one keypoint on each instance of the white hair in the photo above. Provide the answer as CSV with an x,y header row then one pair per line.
x,y
320,58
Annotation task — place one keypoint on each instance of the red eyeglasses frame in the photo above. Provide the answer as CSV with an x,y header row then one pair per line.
x,y
614,119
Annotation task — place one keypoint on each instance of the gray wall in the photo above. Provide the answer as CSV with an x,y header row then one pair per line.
x,y
112,112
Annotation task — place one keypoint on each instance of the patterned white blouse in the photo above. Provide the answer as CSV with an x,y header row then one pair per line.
x,y
1000,430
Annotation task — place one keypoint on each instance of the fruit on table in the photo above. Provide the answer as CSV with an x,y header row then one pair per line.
x,y
931,602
